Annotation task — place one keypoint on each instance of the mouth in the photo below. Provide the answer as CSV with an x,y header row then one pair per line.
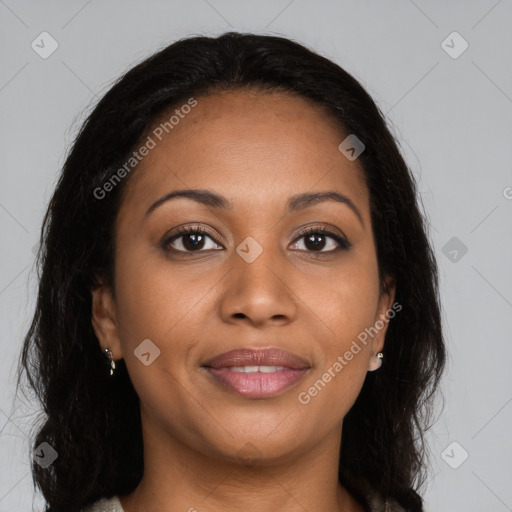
x,y
257,373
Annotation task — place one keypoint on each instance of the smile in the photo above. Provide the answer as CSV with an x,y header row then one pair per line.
x,y
257,372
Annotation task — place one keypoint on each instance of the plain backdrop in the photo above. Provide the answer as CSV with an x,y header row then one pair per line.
x,y
447,97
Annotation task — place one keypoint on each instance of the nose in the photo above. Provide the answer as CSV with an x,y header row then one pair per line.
x,y
259,292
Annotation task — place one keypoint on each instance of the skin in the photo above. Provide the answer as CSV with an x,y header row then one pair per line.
x,y
256,150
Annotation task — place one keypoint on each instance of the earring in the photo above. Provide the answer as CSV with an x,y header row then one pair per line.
x,y
110,357
376,362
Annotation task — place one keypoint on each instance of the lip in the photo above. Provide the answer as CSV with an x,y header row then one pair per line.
x,y
257,384
257,357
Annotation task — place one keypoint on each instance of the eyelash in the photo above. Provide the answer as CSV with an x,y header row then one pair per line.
x,y
187,230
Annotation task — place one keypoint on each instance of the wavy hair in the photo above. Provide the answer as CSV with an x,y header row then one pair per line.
x,y
92,419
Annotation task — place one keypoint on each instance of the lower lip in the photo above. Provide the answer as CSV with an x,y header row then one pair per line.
x,y
257,384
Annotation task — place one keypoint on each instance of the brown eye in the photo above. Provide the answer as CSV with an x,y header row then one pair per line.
x,y
316,240
190,239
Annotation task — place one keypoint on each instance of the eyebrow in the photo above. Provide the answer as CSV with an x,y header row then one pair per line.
x,y
295,203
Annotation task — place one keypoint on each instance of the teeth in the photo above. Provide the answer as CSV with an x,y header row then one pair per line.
x,y
253,369
246,369
270,369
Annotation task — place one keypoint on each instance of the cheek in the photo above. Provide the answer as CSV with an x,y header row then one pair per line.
x,y
343,356
154,297
165,304
346,302
346,305
153,305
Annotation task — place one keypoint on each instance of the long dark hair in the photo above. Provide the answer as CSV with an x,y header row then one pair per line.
x,y
91,419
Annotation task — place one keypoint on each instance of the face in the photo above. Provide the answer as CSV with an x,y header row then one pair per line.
x,y
246,276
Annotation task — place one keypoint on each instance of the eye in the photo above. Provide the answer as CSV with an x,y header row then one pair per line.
x,y
189,239
315,240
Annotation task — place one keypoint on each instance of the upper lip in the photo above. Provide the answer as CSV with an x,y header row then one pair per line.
x,y
257,357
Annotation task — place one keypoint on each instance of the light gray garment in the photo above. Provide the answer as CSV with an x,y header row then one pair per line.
x,y
374,503
105,505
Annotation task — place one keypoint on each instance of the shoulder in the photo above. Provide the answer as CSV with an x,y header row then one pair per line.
x,y
375,502
369,497
105,505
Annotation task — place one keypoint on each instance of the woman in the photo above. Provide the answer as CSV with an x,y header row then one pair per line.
x,y
238,303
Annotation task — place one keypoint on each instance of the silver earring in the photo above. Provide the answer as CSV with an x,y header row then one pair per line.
x,y
110,357
376,362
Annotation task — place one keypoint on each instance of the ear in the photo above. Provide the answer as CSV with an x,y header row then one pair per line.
x,y
384,313
104,320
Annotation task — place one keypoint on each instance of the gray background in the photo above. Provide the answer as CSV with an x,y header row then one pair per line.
x,y
452,116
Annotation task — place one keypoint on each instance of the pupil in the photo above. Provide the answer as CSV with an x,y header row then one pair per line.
x,y
315,244
197,240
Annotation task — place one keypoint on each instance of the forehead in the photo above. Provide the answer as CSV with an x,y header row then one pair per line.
x,y
257,147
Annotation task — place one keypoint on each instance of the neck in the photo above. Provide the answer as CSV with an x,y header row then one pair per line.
x,y
179,476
